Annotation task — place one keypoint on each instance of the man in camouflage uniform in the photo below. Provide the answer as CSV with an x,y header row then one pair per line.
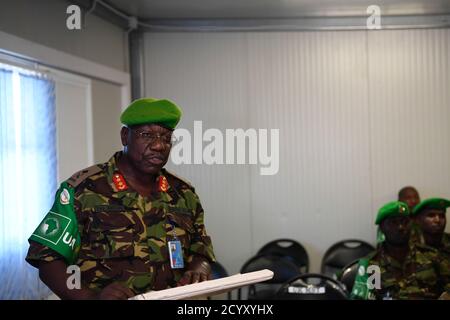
x,y
429,237
405,272
117,220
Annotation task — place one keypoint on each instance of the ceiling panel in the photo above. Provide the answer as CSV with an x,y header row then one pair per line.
x,y
187,9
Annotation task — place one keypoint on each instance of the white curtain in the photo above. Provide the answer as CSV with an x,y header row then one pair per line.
x,y
28,174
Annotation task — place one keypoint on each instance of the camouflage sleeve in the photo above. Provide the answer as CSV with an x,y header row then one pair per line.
x,y
200,242
360,289
38,252
445,263
444,272
441,262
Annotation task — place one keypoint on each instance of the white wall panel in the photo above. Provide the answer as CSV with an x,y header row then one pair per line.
x,y
360,114
410,112
206,76
313,87
74,123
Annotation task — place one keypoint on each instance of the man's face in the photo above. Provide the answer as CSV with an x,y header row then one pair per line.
x,y
432,221
147,147
396,230
410,197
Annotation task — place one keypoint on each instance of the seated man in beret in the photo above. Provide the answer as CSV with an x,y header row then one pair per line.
x,y
405,272
429,236
129,224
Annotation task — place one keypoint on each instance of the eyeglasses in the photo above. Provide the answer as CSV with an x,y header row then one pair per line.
x,y
151,138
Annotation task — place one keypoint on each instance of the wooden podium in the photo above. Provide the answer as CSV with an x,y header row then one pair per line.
x,y
207,288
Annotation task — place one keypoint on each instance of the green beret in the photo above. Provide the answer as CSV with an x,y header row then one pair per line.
x,y
150,110
392,209
433,203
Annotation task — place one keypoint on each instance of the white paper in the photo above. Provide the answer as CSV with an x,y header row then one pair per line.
x,y
207,288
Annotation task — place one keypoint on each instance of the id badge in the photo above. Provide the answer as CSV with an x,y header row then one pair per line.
x,y
175,254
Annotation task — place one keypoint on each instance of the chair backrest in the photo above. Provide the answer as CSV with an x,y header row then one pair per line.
x,y
283,271
288,249
343,253
218,271
312,286
348,275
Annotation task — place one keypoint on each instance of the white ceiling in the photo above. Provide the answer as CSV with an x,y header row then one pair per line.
x,y
185,9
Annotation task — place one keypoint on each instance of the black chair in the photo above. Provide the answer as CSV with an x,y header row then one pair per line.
x,y
348,275
283,270
312,286
342,253
288,249
218,271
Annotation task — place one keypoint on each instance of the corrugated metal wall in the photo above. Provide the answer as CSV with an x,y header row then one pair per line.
x,y
410,111
360,114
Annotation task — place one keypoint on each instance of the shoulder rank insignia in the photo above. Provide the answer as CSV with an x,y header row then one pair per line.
x,y
119,182
82,175
163,184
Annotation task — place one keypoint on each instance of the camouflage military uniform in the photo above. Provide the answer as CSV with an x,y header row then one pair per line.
x,y
416,278
440,256
124,235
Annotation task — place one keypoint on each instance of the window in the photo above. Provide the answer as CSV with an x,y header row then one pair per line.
x,y
28,173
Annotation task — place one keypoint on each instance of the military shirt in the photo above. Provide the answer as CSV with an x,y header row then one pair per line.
x,y
124,236
440,256
415,278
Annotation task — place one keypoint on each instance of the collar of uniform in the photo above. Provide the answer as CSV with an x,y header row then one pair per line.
x,y
418,240
112,169
445,249
446,240
416,237
389,261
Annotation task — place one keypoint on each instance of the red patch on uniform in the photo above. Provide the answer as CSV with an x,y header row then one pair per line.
x,y
119,182
163,184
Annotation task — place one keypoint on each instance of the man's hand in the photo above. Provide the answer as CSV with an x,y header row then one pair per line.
x,y
192,277
115,291
54,275
444,296
199,270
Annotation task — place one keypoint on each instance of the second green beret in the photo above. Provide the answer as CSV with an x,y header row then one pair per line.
x,y
392,209
432,203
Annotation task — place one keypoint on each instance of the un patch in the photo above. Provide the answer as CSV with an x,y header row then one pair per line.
x,y
52,227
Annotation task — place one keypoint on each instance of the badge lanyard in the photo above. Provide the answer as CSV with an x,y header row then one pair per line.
x,y
174,245
175,250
